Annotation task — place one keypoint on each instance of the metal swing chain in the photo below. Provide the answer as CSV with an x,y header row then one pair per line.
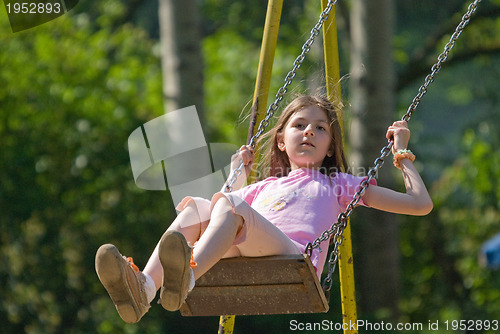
x,y
337,229
282,91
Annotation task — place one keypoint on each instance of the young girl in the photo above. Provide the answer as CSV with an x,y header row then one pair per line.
x,y
303,196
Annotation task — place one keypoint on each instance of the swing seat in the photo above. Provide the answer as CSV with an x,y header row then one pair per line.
x,y
283,284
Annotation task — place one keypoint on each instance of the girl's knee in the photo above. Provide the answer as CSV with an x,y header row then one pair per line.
x,y
192,213
223,209
189,217
223,204
191,209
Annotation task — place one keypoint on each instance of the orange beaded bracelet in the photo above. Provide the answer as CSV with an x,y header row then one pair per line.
x,y
403,154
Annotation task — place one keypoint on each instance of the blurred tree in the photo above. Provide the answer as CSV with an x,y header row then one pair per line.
x,y
372,87
454,125
443,273
74,90
231,50
418,40
182,61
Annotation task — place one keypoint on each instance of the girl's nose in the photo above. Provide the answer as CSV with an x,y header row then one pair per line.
x,y
309,130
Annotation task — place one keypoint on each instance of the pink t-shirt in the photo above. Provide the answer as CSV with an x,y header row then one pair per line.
x,y
303,204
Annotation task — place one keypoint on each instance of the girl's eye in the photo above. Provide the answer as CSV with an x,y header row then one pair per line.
x,y
299,126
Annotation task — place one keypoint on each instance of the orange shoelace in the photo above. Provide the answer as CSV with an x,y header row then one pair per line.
x,y
131,263
192,264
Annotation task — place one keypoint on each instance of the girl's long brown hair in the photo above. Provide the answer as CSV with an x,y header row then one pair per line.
x,y
277,161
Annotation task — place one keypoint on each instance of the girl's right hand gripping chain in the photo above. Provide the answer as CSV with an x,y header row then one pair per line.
x,y
245,153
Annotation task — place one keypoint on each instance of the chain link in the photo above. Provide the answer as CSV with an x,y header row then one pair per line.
x,y
283,90
441,59
337,229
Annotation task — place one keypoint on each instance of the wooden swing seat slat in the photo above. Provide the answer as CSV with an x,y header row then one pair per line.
x,y
284,284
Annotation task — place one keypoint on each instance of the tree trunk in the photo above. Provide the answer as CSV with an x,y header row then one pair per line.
x,y
372,96
182,61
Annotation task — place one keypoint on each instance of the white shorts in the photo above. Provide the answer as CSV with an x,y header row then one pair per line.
x,y
258,237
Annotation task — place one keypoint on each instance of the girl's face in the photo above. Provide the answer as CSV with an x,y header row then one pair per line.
x,y
306,138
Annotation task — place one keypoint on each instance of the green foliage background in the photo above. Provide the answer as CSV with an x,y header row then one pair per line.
x,y
75,88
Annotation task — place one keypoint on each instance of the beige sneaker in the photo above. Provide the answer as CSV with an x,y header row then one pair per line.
x,y
178,279
123,282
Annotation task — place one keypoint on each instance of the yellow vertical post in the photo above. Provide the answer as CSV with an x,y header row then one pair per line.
x,y
266,60
331,55
226,324
346,268
261,93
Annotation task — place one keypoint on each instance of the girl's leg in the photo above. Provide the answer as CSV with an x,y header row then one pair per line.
x,y
123,281
262,238
188,223
259,238
130,289
174,254
217,240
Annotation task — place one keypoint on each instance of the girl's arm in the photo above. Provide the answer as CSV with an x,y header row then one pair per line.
x,y
416,200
